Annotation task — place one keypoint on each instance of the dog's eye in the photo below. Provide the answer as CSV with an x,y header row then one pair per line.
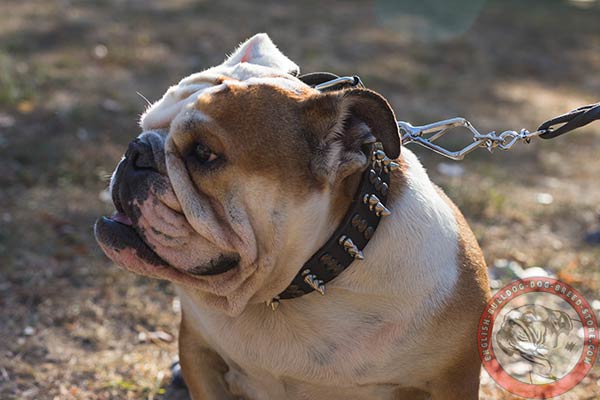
x,y
204,154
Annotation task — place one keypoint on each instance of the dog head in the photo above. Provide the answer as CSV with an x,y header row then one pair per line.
x,y
240,174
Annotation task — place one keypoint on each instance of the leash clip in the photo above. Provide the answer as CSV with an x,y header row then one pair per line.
x,y
426,135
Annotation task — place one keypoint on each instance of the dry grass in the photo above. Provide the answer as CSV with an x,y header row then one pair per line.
x,y
69,73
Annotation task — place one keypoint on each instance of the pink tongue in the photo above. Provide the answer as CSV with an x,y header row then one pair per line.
x,y
121,218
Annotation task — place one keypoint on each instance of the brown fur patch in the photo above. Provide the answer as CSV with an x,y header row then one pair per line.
x,y
262,132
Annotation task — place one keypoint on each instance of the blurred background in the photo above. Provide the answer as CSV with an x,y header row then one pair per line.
x,y
73,326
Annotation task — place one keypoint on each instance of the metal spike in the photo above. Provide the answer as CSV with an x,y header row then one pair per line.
x,y
372,176
392,166
373,200
351,248
381,210
384,188
355,253
317,284
379,155
273,303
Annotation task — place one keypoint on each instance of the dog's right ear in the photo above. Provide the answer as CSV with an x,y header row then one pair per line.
x,y
261,50
342,124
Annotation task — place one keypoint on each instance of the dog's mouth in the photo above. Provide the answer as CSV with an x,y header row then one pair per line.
x,y
150,235
117,233
121,242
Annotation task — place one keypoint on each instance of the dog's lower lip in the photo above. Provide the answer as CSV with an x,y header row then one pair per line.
x,y
116,235
121,218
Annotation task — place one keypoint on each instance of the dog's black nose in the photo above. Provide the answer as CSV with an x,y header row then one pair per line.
x,y
140,155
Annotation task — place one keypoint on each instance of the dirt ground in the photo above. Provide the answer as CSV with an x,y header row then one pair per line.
x,y
73,326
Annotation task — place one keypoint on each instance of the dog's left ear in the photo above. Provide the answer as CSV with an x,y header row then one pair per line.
x,y
343,124
260,50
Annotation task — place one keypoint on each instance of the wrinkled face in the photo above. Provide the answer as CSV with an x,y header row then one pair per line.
x,y
231,186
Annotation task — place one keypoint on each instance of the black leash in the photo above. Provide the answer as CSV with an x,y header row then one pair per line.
x,y
572,120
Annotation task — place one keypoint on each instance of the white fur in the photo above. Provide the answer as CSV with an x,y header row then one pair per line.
x,y
260,50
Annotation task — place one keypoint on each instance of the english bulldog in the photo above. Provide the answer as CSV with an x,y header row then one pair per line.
x,y
241,175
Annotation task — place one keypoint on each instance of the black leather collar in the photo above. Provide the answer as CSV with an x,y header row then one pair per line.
x,y
356,229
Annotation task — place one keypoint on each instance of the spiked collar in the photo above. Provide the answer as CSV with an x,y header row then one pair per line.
x,y
368,206
353,234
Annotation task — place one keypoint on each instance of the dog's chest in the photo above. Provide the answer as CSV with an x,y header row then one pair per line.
x,y
307,352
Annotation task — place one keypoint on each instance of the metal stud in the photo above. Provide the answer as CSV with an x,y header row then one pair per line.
x,y
376,205
391,166
356,254
377,183
384,188
381,210
312,281
351,248
371,200
379,155
372,176
273,303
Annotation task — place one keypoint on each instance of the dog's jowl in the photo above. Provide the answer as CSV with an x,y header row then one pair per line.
x,y
314,259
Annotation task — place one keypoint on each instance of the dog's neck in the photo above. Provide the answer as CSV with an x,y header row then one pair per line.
x,y
353,233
